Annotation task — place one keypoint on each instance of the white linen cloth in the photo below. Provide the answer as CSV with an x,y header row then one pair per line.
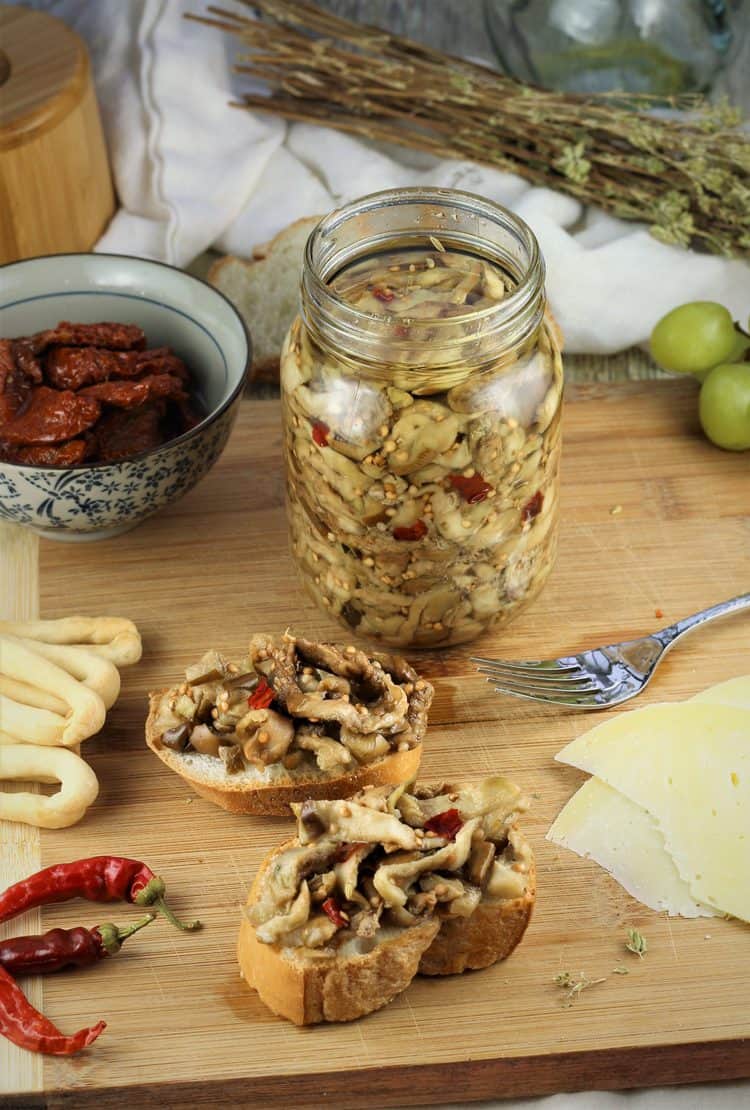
x,y
192,173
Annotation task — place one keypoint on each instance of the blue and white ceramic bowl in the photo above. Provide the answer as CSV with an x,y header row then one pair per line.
x,y
174,309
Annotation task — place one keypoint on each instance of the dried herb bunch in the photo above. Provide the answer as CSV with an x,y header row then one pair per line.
x,y
687,177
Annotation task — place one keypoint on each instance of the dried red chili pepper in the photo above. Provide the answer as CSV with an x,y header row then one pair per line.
x,y
385,295
262,696
98,879
60,948
410,532
22,1024
473,489
533,507
447,824
320,433
332,910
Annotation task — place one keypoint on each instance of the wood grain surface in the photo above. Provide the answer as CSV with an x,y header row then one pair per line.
x,y
183,1029
20,848
55,188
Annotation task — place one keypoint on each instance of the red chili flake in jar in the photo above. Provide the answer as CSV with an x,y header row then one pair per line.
x,y
332,910
473,489
658,613
410,532
320,433
262,696
382,294
533,507
447,824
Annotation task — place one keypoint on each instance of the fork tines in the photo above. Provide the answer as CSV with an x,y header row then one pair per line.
x,y
541,680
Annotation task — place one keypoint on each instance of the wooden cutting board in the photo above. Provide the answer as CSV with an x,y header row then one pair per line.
x,y
183,1029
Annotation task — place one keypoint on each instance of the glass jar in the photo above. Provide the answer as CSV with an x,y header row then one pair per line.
x,y
661,47
421,388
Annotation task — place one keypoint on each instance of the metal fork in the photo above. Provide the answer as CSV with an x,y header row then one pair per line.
x,y
600,678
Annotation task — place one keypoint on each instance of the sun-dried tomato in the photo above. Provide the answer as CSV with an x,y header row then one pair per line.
x,y
473,489
122,433
533,507
15,387
385,295
26,360
262,696
447,824
119,337
320,433
128,395
411,531
53,454
76,367
51,417
332,909
54,383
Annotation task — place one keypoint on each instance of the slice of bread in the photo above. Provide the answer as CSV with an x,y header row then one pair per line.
x,y
251,792
309,988
294,719
489,935
384,886
265,290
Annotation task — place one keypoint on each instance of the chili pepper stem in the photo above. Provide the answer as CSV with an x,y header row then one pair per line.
x,y
113,937
153,895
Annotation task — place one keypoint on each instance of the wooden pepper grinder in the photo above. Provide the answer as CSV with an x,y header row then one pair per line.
x,y
55,186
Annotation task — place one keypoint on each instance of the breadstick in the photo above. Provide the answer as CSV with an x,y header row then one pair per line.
x,y
26,724
31,695
78,786
86,708
116,638
95,672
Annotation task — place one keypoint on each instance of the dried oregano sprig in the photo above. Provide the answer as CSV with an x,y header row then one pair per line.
x,y
688,178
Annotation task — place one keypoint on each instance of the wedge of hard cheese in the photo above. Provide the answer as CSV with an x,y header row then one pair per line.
x,y
668,812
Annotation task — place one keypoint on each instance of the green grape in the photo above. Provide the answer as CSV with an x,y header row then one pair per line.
x,y
741,344
724,407
694,337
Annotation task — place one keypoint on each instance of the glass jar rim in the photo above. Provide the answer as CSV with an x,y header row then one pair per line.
x,y
359,333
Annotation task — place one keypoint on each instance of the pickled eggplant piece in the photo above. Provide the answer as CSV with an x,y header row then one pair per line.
x,y
422,499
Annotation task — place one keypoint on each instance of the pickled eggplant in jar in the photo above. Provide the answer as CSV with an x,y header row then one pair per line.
x,y
422,389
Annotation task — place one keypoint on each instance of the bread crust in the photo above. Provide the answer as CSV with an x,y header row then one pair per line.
x,y
273,799
231,266
309,989
263,250
489,935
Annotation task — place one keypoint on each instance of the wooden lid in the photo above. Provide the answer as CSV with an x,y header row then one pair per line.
x,y
44,72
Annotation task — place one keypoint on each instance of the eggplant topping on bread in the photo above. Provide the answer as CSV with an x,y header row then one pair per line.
x,y
294,720
382,886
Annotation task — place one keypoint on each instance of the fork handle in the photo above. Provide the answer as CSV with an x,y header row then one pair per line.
x,y
667,636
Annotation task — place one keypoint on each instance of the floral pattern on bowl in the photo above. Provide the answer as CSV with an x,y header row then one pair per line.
x,y
102,501
174,309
